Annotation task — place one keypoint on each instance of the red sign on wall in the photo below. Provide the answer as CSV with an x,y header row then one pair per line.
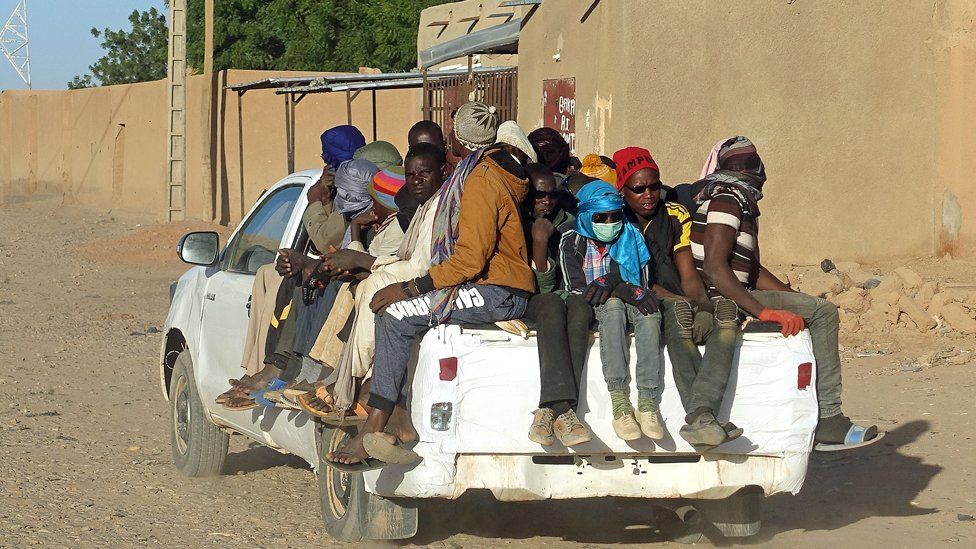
x,y
559,108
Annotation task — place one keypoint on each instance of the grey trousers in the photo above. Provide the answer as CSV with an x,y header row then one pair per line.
x,y
403,322
701,380
821,318
613,318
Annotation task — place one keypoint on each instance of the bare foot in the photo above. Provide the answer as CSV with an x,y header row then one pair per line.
x,y
351,452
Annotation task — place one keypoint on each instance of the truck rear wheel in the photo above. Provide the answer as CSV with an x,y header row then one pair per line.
x,y
350,512
199,447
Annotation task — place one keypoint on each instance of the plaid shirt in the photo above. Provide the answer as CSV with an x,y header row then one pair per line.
x,y
596,261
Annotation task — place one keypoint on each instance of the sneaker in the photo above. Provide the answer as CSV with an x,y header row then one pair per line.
x,y
624,423
626,427
541,430
569,430
651,423
704,431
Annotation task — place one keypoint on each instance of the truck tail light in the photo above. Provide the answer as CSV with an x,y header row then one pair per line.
x,y
804,373
448,368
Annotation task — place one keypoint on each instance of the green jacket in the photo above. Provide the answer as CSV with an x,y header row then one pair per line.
x,y
550,280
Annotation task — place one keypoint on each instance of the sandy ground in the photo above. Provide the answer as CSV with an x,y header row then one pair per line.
x,y
85,458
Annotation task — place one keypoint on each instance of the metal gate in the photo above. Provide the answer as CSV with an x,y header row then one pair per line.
x,y
442,96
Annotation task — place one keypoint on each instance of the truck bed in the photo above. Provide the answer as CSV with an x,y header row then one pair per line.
x,y
497,388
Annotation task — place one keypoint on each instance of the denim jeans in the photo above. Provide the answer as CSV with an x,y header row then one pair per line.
x,y
821,318
563,337
613,318
701,381
404,321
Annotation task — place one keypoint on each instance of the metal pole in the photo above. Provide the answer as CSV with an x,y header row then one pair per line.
x,y
348,108
207,114
289,152
374,115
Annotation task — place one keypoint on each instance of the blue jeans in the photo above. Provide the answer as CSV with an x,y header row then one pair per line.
x,y
404,321
613,318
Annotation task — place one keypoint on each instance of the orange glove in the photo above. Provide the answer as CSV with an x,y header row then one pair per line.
x,y
792,323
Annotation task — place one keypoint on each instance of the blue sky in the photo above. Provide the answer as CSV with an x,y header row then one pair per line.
x,y
61,45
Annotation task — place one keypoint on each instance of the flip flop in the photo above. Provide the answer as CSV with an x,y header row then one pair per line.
x,y
368,464
260,397
855,438
248,403
381,448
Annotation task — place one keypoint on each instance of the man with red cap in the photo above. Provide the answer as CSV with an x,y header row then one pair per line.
x,y
690,317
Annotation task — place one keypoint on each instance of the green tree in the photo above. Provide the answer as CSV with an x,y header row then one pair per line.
x,y
136,55
312,35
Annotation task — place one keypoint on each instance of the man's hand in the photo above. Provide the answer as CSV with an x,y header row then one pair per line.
x,y
386,297
324,189
599,291
366,218
289,262
342,261
702,326
542,230
792,323
638,296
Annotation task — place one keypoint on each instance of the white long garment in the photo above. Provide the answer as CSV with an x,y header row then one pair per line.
x,y
407,264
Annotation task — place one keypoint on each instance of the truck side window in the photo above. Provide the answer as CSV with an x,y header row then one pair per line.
x,y
257,242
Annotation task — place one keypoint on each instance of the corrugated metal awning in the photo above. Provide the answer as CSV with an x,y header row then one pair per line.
x,y
380,81
498,39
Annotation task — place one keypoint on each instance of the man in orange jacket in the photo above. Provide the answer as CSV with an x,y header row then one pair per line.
x,y
486,279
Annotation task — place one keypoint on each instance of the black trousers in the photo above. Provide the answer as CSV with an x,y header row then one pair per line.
x,y
563,338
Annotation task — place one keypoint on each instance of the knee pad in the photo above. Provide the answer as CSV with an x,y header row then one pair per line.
x,y
726,313
684,315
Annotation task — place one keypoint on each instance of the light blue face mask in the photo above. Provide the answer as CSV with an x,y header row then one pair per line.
x,y
607,232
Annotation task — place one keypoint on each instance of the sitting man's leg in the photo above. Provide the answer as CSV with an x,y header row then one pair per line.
x,y
823,321
397,327
679,320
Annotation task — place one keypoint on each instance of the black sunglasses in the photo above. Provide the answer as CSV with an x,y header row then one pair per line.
x,y
552,195
641,189
608,217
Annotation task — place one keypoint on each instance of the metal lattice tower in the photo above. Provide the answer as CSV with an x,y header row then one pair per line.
x,y
13,42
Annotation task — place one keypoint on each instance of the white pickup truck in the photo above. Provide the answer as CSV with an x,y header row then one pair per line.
x,y
473,424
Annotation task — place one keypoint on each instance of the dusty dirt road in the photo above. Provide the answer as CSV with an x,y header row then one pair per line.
x,y
85,458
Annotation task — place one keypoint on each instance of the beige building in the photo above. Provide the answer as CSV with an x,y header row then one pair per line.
x,y
863,111
106,146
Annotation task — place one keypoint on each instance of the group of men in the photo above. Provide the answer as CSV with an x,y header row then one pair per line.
x,y
515,227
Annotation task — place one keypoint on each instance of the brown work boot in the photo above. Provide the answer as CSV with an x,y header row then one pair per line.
x,y
569,430
541,430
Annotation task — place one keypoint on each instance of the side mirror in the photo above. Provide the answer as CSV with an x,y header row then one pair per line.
x,y
199,248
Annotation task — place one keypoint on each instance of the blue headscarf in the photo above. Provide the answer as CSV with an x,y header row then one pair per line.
x,y
340,143
629,249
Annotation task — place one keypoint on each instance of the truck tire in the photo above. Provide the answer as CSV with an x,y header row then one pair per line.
x,y
737,516
349,512
199,447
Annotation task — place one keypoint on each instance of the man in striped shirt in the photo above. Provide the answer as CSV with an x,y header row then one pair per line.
x,y
725,245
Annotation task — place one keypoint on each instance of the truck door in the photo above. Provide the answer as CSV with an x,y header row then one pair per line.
x,y
226,306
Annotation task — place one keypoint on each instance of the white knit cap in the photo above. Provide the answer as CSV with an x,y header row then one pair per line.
x,y
511,134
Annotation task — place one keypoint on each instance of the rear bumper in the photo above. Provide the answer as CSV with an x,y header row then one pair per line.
x,y
518,478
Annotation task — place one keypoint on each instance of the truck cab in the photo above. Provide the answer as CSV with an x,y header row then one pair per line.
x,y
472,420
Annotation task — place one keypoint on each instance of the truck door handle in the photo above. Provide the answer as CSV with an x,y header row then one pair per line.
x,y
210,297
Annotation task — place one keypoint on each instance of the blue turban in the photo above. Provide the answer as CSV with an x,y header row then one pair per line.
x,y
340,144
629,249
